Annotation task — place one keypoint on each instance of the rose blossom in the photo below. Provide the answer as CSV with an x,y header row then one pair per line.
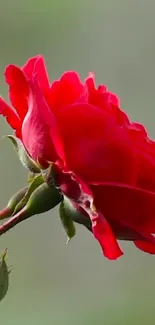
x,y
104,163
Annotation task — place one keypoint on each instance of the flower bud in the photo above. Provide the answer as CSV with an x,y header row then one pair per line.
x,y
4,275
43,199
15,199
35,182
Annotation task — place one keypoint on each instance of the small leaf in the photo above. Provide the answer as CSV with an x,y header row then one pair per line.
x,y
67,222
23,155
37,181
4,275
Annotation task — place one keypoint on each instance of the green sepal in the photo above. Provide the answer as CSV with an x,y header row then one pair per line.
x,y
35,182
23,155
31,177
4,275
75,214
67,222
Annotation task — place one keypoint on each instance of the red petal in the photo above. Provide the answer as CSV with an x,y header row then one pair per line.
x,y
145,246
101,96
105,100
76,190
103,233
127,206
28,68
66,91
96,148
11,116
41,72
111,98
90,82
146,155
40,132
19,89
36,65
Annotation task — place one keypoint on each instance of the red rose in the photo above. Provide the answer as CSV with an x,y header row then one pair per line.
x,y
104,163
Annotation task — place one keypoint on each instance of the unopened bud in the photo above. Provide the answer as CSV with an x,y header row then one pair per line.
x,y
15,199
43,199
35,182
4,275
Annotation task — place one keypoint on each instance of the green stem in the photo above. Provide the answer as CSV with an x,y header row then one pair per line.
x,y
19,217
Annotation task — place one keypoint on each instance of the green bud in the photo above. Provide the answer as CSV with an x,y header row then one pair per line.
x,y
42,199
23,155
35,182
67,222
4,276
13,202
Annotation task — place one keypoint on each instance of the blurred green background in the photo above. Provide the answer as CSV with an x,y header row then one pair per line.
x,y
52,283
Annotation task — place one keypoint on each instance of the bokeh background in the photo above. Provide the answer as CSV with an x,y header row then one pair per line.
x,y
52,283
